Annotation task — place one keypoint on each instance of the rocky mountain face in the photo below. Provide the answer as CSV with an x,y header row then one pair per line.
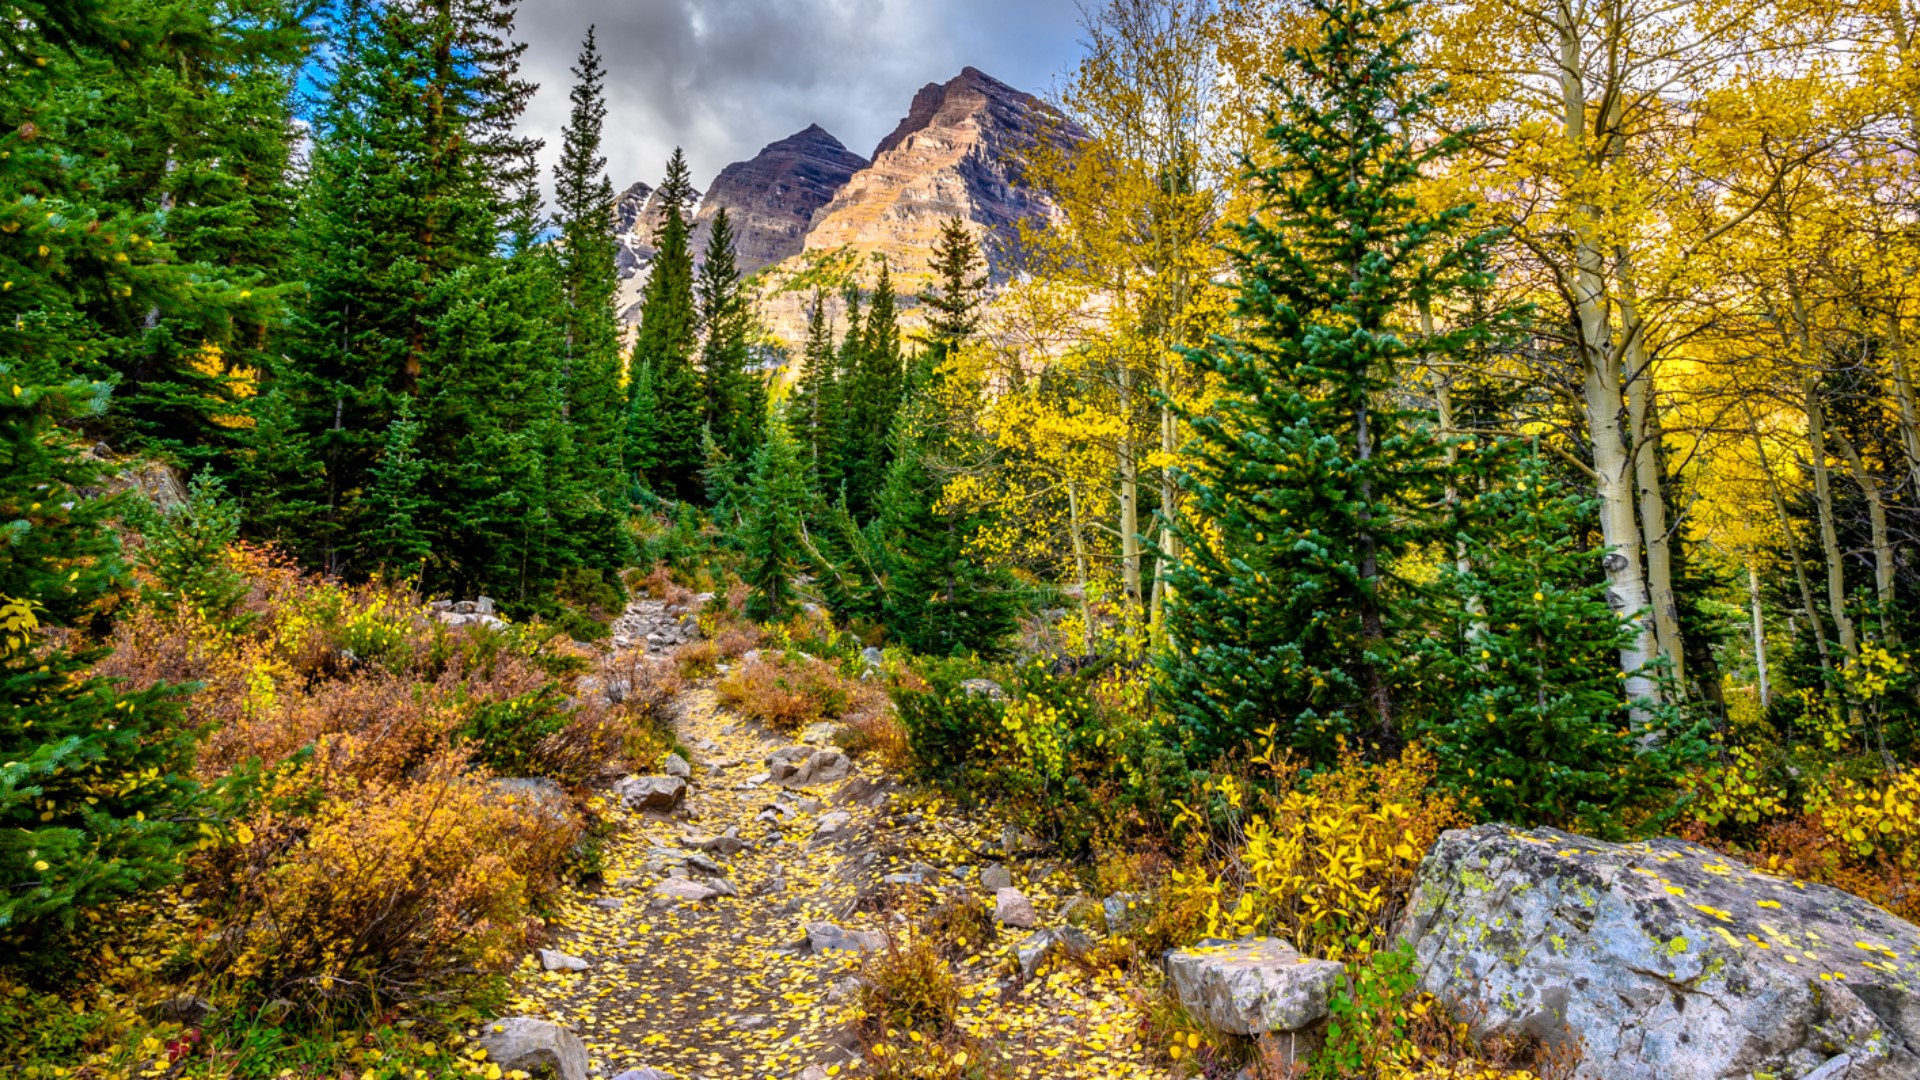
x,y
772,198
957,153
806,198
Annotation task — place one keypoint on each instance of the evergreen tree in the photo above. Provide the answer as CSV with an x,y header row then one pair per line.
x,y
1526,709
732,414
664,345
811,396
184,553
773,537
940,598
94,781
277,478
1309,479
591,400
872,399
397,502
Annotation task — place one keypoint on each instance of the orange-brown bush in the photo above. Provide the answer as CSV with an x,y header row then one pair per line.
x,y
787,694
363,849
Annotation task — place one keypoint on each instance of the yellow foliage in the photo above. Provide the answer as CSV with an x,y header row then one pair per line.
x,y
1327,864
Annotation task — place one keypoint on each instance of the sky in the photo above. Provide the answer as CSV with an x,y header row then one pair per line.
x,y
723,78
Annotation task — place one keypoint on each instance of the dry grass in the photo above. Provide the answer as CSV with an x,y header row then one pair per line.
x,y
789,693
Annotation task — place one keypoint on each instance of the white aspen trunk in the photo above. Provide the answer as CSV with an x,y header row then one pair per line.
x,y
1648,478
1129,491
1603,395
1877,524
1080,563
1759,639
1903,393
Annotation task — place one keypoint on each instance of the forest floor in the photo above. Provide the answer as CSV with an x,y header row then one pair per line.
x,y
728,987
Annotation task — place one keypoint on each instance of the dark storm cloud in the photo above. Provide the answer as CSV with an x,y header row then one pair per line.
x,y
723,78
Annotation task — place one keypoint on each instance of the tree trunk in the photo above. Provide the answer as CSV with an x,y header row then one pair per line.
x,y
1877,523
1129,492
1642,408
1903,393
1763,680
1080,562
1829,535
1792,545
1603,391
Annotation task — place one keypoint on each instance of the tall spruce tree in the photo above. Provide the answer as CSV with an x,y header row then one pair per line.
x,y
592,404
939,597
773,538
664,346
875,386
1309,480
811,403
734,413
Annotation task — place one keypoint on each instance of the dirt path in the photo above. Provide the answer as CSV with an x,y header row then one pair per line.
x,y
727,987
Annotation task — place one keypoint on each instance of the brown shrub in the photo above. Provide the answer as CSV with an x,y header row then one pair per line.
x,y
738,639
648,684
386,888
696,659
659,584
788,694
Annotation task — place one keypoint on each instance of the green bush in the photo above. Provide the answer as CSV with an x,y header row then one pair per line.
x,y
506,734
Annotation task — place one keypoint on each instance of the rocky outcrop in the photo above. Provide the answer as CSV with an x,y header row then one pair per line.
x,y
771,198
1664,960
657,625
804,766
957,153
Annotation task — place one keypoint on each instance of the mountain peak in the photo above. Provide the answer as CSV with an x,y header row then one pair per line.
x,y
770,198
950,102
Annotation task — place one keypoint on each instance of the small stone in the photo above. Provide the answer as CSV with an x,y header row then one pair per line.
x,y
832,823
684,891
607,903
818,734
1084,913
701,862
644,1074
530,1045
677,766
651,792
996,877
555,960
1040,947
871,657
814,1072
985,688
826,937
1123,911
1012,908
187,1010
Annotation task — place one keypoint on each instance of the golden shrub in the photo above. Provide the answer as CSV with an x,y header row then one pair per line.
x,y
1328,863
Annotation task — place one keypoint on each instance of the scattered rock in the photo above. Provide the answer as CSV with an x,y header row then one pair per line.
x,y
804,766
679,890
1252,986
826,937
725,846
1084,913
651,792
537,793
677,766
528,1044
555,960
1665,960
996,877
1012,908
1042,946
819,734
608,903
814,1072
1124,911
644,1074
985,688
187,1010
832,823
871,656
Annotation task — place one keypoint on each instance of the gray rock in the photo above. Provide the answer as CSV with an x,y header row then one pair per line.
x,y
985,688
725,846
543,796
607,903
651,792
528,1044
826,937
813,1072
832,823
1043,946
805,766
702,863
819,734
871,656
1084,913
678,890
555,960
1124,911
1012,908
644,1074
996,877
1665,960
677,766
1252,986
483,605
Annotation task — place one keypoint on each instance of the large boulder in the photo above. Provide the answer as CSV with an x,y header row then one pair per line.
x,y
1666,961
530,1045
1253,986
